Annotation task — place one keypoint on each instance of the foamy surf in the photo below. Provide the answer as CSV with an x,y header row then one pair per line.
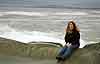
x,y
47,13
34,36
71,13
30,36
23,13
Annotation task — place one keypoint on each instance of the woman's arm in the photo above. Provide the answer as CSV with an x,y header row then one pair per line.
x,y
76,37
66,37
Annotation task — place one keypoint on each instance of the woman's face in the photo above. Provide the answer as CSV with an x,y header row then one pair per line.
x,y
71,27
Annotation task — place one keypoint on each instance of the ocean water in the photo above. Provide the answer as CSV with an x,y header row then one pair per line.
x,y
35,20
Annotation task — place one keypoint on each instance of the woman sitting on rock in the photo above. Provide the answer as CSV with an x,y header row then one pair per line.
x,y
72,39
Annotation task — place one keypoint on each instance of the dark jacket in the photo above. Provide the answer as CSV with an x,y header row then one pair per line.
x,y
73,38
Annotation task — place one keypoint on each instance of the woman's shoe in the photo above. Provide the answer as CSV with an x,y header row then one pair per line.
x,y
58,57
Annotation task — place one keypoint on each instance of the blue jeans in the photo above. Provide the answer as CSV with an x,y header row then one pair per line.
x,y
66,51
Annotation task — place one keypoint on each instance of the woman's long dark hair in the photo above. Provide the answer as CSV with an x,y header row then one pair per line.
x,y
75,27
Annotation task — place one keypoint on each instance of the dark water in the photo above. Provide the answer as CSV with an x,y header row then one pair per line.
x,y
51,3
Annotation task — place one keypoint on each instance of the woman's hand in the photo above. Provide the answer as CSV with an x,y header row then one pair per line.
x,y
68,44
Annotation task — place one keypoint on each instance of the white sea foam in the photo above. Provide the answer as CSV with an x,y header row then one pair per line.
x,y
30,36
23,13
33,13
1,14
71,13
95,11
36,36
